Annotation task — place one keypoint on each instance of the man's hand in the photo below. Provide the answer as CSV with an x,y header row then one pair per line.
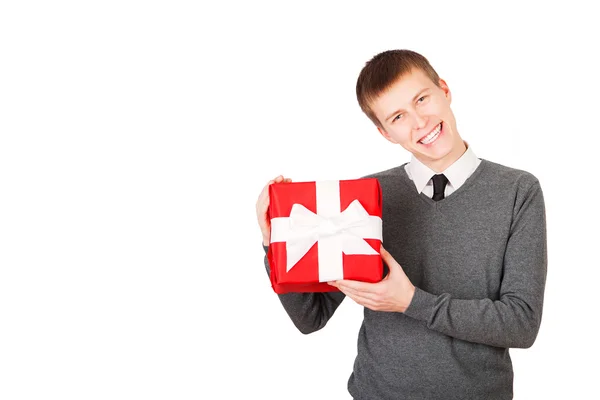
x,y
262,205
392,293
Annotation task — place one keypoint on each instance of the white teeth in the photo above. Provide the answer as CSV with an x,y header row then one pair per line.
x,y
432,136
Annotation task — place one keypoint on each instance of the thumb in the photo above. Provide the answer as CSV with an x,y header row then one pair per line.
x,y
389,260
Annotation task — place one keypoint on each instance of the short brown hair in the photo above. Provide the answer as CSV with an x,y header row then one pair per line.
x,y
385,69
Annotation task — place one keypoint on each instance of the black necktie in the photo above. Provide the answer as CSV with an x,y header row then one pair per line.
x,y
439,184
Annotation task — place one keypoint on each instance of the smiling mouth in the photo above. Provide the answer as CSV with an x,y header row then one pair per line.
x,y
432,136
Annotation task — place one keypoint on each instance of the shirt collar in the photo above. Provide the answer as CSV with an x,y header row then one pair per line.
x,y
457,173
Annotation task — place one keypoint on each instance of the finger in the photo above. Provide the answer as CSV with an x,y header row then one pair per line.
x,y
279,179
263,197
365,296
393,266
265,189
384,253
357,286
365,302
387,257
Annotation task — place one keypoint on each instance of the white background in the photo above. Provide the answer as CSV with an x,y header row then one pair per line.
x,y
135,138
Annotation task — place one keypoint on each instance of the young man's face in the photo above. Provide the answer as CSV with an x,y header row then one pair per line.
x,y
416,114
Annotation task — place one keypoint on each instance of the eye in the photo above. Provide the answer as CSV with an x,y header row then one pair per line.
x,y
421,99
397,117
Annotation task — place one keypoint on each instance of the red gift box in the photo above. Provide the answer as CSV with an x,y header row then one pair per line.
x,y
324,231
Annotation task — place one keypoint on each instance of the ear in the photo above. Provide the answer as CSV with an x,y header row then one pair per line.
x,y
446,89
386,135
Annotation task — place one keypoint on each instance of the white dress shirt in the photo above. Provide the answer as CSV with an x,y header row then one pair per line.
x,y
456,173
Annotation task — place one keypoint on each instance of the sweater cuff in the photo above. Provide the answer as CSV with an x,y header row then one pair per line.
x,y
421,305
265,248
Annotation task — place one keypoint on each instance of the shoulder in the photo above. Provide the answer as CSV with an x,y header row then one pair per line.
x,y
521,188
505,176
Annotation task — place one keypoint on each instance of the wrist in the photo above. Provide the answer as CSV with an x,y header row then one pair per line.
x,y
409,298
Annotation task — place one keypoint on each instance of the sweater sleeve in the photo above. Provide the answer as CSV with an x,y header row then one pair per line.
x,y
514,319
308,311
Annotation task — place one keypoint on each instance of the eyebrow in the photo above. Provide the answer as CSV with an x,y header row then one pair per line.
x,y
414,98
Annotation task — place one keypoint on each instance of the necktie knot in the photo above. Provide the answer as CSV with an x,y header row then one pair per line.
x,y
439,185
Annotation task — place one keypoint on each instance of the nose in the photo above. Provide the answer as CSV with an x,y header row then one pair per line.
x,y
420,121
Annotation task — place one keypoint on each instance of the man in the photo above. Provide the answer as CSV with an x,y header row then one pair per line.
x,y
465,249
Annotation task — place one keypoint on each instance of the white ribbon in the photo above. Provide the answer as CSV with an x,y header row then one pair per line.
x,y
337,232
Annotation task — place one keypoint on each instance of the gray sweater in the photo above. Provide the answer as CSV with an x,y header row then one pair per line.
x,y
478,260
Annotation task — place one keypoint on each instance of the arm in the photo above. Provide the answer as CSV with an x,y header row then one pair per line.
x,y
514,319
308,311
